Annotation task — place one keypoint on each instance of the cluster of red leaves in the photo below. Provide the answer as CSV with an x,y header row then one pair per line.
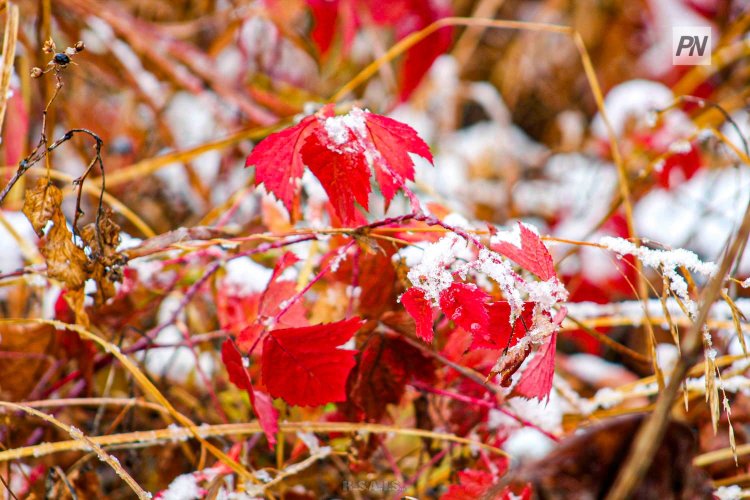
x,y
306,365
489,322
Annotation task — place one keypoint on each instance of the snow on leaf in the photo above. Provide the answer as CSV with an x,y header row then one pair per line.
x,y
536,379
532,255
267,415
420,309
465,304
304,367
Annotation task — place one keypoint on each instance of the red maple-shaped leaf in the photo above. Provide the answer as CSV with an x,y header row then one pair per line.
x,y
420,309
500,334
532,255
394,141
344,174
262,404
339,151
278,164
466,305
536,379
305,367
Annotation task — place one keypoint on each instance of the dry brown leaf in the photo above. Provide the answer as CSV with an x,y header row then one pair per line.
x,y
65,261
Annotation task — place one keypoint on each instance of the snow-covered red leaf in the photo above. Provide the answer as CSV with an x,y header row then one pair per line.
x,y
536,379
679,167
262,404
339,151
532,255
305,367
420,309
466,305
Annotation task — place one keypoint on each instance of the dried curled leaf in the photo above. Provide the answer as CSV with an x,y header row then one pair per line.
x,y
66,262
106,266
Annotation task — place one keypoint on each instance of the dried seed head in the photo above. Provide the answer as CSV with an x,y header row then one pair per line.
x,y
36,72
49,46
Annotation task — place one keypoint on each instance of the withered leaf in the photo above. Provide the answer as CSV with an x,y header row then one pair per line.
x,y
66,262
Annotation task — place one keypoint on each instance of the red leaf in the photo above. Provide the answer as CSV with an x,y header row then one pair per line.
x,y
679,167
472,484
324,14
465,304
394,141
536,379
344,174
500,334
267,415
304,367
385,366
532,256
235,312
339,153
418,60
278,165
420,309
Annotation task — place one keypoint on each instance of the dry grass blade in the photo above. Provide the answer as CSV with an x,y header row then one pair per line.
x,y
156,437
10,40
84,443
148,387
